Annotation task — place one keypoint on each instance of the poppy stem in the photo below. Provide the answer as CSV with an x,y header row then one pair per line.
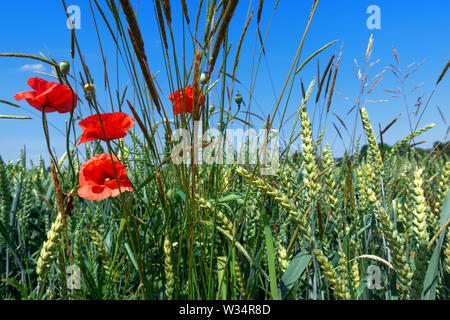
x,y
47,139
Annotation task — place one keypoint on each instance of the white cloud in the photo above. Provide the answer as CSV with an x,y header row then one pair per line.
x,y
32,67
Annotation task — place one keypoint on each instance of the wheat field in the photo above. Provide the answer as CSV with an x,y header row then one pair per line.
x,y
115,217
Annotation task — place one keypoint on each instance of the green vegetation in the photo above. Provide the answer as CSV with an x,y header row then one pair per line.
x,y
224,231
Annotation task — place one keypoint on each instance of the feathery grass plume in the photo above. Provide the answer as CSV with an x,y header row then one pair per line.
x,y
330,275
132,23
333,83
260,7
369,47
402,142
210,28
227,15
185,10
396,244
240,279
138,45
170,278
49,250
444,71
162,26
420,211
196,86
166,7
324,76
238,51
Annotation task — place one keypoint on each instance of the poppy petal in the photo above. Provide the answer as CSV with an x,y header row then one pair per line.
x,y
39,85
115,125
98,181
54,96
95,193
182,100
25,95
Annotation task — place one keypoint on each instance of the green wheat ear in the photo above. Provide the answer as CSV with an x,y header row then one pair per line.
x,y
49,250
170,278
447,254
420,213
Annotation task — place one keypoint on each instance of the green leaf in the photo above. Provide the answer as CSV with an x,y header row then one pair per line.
x,y
123,223
181,195
313,55
221,262
362,286
270,257
14,283
145,182
429,286
131,255
14,117
293,273
229,198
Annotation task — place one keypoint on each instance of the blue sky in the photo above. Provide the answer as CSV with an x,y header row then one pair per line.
x,y
418,30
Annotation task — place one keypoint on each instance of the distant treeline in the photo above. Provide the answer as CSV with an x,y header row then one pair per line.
x,y
438,148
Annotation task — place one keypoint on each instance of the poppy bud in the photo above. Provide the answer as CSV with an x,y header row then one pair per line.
x,y
203,78
64,66
220,126
212,108
238,98
89,87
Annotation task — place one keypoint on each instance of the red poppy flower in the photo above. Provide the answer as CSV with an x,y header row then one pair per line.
x,y
182,100
98,180
51,95
115,124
